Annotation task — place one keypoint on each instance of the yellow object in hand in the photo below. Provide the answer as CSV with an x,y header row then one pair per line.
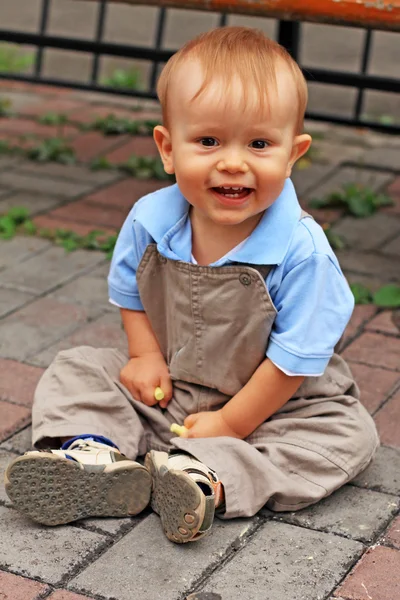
x,y
158,394
177,429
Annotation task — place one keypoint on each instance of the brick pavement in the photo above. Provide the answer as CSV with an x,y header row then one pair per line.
x,y
345,548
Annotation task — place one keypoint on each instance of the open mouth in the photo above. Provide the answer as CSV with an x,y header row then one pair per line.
x,y
233,193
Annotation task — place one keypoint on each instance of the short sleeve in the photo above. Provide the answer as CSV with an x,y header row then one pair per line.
x,y
314,304
131,244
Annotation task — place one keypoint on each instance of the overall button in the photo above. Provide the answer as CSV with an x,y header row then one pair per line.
x,y
245,279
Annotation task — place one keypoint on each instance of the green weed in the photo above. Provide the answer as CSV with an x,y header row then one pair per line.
x,y
145,167
124,79
13,59
356,200
17,220
52,149
113,125
388,296
5,107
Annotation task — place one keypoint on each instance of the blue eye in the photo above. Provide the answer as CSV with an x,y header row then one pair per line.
x,y
259,144
208,141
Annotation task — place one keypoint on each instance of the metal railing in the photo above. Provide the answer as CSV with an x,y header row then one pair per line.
x,y
288,34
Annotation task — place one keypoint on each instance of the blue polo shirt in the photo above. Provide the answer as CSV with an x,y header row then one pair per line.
x,y
312,298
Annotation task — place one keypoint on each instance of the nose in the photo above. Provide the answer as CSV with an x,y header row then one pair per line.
x,y
232,163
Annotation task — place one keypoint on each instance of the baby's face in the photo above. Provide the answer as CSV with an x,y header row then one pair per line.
x,y
230,158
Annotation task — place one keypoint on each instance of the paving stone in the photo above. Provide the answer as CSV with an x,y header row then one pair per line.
x,y
387,421
376,350
93,112
57,105
15,587
305,180
370,281
102,270
10,300
394,187
368,233
18,249
34,128
3,192
351,511
392,536
285,562
5,459
65,595
376,576
361,314
20,443
382,267
70,172
91,144
327,151
105,332
33,328
89,291
123,194
8,161
44,185
35,203
18,381
375,384
392,247
204,596
110,526
98,215
52,268
380,157
47,553
166,570
138,145
383,474
384,322
12,418
48,222
347,175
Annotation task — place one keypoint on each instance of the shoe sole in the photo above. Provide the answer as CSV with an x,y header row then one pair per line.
x,y
53,490
177,499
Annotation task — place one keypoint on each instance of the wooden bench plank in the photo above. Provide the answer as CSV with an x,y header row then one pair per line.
x,y
374,14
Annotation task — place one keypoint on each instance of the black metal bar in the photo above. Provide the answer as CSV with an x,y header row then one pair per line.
x,y
373,82
223,19
364,66
101,17
75,85
356,80
44,17
289,33
392,129
158,43
77,45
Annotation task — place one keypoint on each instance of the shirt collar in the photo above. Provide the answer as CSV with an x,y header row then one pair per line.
x,y
164,215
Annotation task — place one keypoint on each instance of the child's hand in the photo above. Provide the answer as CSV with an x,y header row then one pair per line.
x,y
207,424
143,374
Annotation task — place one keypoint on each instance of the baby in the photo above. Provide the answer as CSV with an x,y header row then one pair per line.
x,y
232,302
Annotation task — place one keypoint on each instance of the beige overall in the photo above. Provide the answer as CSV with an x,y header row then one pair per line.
x,y
213,325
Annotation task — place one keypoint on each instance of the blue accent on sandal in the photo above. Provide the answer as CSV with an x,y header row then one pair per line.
x,y
69,457
88,436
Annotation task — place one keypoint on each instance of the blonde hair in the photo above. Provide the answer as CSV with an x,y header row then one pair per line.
x,y
242,52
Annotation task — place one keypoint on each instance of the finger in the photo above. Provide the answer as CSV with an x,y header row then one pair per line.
x,y
132,389
147,394
166,386
191,420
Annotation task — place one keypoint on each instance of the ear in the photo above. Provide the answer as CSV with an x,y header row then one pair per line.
x,y
301,144
162,138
